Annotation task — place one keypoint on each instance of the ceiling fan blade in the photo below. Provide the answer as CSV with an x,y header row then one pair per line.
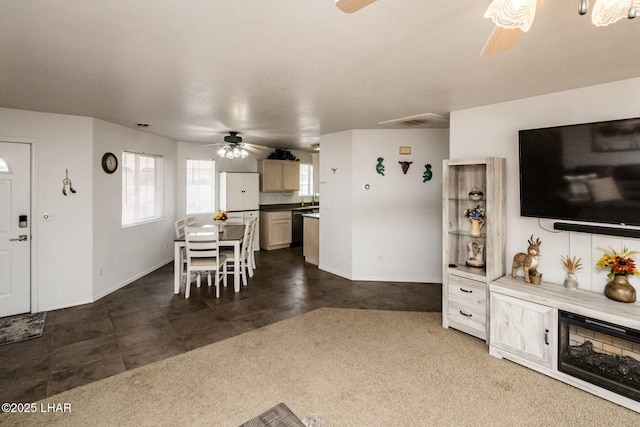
x,y
501,40
350,6
254,148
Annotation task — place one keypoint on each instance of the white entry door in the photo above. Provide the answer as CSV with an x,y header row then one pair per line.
x,y
15,228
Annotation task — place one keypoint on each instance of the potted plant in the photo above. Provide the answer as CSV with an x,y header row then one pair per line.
x,y
535,276
571,265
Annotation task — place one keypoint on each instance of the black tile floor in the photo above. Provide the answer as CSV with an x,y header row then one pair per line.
x,y
145,322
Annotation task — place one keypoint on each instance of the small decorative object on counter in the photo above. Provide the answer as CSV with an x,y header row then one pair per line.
x,y
475,254
535,276
621,265
571,265
380,166
220,217
476,217
426,176
476,194
528,261
405,166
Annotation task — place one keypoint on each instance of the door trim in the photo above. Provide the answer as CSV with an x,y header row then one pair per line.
x,y
35,217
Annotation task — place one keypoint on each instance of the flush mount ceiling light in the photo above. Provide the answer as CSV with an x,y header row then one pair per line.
x,y
514,17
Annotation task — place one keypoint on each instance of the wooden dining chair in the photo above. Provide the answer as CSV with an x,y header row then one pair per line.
x,y
245,250
203,255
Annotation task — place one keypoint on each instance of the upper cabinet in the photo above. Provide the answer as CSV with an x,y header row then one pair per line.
x,y
278,176
239,191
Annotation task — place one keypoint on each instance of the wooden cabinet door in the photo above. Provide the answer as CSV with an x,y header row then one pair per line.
x,y
280,228
291,179
271,175
523,328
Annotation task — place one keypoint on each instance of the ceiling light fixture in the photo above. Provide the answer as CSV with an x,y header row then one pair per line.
x,y
511,14
232,151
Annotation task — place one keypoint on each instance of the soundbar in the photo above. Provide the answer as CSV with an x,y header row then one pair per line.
x,y
594,229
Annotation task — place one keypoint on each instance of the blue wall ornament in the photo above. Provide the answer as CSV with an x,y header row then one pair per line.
x,y
426,176
380,166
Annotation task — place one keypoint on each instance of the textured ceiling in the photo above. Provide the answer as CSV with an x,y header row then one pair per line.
x,y
284,72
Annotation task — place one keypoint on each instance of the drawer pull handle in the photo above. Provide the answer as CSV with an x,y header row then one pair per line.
x,y
466,291
465,314
546,336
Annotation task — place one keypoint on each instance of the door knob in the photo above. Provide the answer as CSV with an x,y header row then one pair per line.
x,y
21,238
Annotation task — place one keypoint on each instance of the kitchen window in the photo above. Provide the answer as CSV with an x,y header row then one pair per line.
x,y
200,186
142,188
306,180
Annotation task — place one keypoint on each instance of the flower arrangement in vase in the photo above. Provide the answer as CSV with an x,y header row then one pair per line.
x,y
220,217
620,265
571,265
535,276
476,216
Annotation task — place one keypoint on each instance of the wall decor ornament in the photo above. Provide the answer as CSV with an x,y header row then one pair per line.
x,y
621,265
426,176
405,166
380,166
66,182
528,261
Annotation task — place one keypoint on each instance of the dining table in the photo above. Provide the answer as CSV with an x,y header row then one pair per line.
x,y
230,236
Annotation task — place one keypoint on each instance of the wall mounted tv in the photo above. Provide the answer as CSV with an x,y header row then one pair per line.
x,y
585,172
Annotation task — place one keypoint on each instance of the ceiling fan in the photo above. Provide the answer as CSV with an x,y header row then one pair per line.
x,y
233,147
350,6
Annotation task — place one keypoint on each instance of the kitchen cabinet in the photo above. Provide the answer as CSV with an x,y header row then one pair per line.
x,y
523,328
311,240
239,191
278,176
275,232
465,282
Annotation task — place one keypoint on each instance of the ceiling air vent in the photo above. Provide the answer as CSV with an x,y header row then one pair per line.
x,y
428,120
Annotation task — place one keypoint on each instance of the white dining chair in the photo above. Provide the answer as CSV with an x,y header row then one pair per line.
x,y
245,257
252,238
203,255
191,221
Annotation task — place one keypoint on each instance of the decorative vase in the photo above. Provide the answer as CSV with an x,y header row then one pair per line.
x,y
536,280
476,194
571,281
475,254
619,289
220,226
476,227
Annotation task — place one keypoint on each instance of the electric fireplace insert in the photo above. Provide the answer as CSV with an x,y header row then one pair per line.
x,y
601,353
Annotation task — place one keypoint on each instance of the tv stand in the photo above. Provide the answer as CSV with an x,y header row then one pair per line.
x,y
524,327
595,229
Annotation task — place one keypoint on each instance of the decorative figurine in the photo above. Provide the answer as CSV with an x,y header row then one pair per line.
x,y
405,166
426,176
528,261
380,166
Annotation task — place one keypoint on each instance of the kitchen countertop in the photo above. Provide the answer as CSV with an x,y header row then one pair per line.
x,y
312,215
288,207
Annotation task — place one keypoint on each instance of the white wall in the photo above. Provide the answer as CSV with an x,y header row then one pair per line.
x,y
62,258
391,231
125,254
493,131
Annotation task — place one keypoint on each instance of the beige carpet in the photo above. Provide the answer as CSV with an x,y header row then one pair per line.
x,y
349,367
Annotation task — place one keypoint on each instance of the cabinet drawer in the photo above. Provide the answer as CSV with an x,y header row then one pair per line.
x,y
467,293
280,215
467,306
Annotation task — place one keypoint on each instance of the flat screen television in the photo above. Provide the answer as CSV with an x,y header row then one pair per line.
x,y
584,172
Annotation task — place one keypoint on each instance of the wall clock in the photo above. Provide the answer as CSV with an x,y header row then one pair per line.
x,y
109,162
